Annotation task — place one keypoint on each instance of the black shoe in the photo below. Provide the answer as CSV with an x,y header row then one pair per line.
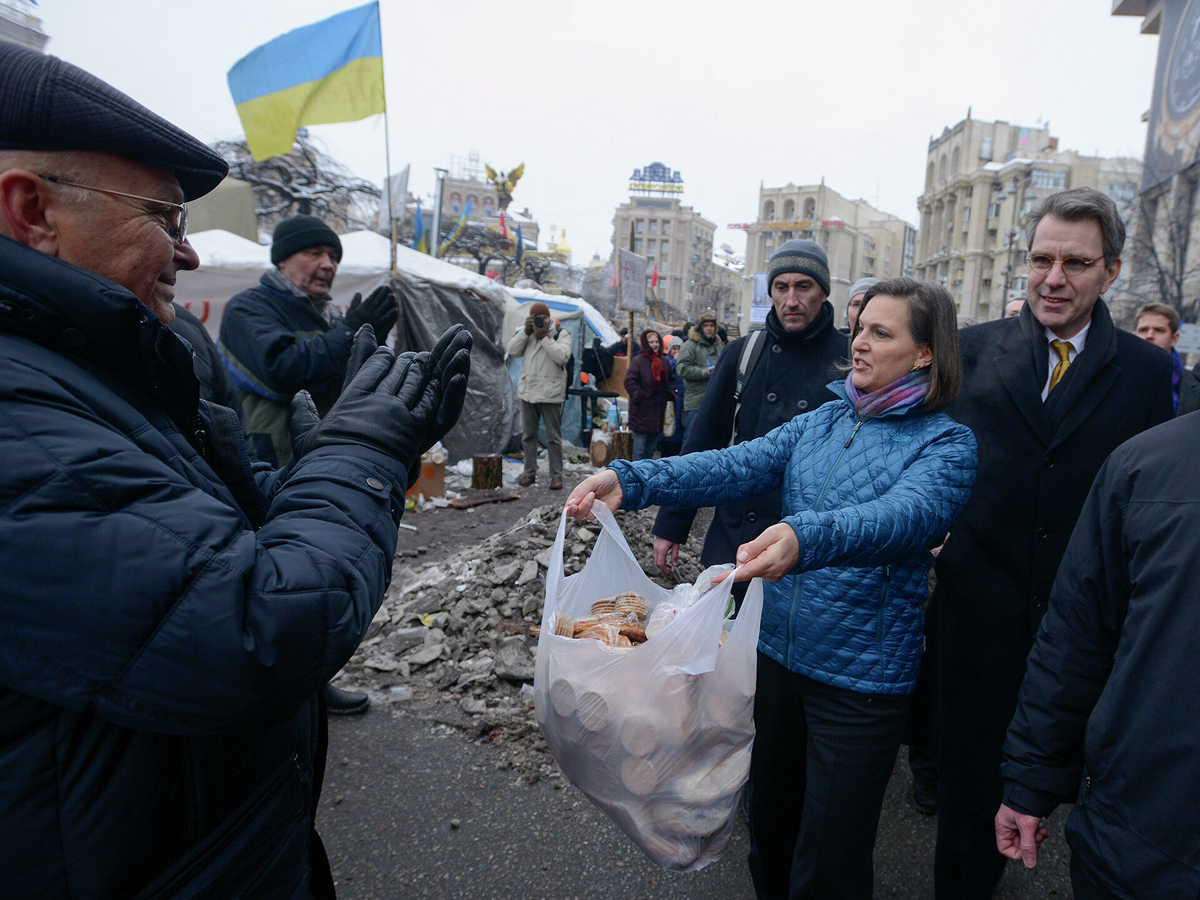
x,y
924,797
345,703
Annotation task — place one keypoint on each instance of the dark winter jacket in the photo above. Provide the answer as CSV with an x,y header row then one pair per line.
x,y
1112,690
275,344
1037,461
215,384
164,621
790,378
647,400
867,499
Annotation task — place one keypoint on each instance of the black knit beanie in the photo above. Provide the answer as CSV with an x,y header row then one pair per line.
x,y
299,233
805,257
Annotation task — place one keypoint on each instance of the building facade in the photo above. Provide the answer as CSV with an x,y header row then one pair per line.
x,y
675,239
981,181
859,240
1163,261
19,25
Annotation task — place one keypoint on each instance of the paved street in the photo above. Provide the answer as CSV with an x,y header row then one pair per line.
x,y
413,808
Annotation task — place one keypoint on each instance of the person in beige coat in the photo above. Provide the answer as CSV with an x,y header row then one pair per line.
x,y
545,349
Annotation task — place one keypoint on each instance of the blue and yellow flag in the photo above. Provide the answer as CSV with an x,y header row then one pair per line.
x,y
419,244
330,71
457,230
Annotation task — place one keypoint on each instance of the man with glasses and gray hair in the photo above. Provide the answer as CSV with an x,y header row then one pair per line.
x,y
168,612
1049,394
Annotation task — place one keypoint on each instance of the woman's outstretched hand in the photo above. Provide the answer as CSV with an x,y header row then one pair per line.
x,y
769,556
603,486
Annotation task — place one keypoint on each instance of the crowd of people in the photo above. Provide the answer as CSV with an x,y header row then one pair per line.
x,y
228,512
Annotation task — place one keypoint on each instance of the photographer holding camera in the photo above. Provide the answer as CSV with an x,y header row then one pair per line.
x,y
545,349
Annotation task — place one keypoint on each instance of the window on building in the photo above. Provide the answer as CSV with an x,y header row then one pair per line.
x,y
985,149
666,245
1043,178
489,206
650,246
769,211
1121,191
1028,205
474,201
455,204
789,210
993,210
966,214
654,226
640,226
666,227
637,245
810,208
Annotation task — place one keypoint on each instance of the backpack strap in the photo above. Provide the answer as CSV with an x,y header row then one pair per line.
x,y
747,360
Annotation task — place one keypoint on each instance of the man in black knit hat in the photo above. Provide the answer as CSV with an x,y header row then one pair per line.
x,y
797,355
285,335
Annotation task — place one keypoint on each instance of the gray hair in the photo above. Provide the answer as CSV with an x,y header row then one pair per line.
x,y
1080,205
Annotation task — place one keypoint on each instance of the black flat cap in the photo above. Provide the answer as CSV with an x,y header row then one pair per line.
x,y
48,104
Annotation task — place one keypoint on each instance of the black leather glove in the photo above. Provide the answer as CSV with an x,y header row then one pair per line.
x,y
304,412
379,311
388,406
450,367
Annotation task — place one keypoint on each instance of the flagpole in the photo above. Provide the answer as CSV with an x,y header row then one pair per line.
x,y
387,146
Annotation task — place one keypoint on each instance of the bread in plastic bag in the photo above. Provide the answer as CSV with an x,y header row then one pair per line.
x,y
658,736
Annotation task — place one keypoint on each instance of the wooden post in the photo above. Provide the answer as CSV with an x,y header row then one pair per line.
x,y
622,445
486,472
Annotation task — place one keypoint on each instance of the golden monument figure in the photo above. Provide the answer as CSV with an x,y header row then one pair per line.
x,y
505,183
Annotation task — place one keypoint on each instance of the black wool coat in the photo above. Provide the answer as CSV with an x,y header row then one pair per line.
x,y
1112,691
791,378
1037,461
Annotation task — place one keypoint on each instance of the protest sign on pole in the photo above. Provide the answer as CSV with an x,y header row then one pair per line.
x,y
632,283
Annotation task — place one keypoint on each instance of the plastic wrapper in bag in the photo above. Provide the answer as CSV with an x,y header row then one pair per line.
x,y
658,735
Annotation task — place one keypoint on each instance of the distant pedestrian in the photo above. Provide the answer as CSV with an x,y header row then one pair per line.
x,y
858,290
696,361
1158,323
545,349
1013,308
650,384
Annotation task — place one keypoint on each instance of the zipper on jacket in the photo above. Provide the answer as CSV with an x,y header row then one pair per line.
x,y
1087,788
817,508
883,592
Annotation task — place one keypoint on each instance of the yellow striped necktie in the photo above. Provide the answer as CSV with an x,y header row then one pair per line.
x,y
1063,349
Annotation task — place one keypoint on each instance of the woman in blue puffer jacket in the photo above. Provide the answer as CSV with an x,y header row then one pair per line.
x,y
870,483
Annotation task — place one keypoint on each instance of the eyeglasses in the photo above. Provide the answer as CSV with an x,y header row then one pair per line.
x,y
174,216
1071,265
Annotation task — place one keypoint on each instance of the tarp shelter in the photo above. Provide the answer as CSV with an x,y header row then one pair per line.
x,y
433,295
578,317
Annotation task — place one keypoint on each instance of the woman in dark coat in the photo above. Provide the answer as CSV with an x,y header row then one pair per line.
x,y
650,383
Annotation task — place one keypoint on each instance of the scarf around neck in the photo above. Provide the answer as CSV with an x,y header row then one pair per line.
x,y
902,394
320,305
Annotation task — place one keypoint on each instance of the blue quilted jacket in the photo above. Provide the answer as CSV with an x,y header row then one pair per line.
x,y
867,498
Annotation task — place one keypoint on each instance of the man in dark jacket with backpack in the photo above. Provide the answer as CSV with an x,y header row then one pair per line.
x,y
168,613
760,382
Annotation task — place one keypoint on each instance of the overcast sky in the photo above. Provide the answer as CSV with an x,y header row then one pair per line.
x,y
729,94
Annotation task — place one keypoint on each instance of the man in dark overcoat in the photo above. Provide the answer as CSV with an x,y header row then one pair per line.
x,y
801,354
1049,394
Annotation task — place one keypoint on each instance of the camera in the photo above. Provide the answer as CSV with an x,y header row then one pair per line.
x,y
539,322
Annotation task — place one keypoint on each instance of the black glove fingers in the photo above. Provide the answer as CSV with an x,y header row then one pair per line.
x,y
360,351
373,371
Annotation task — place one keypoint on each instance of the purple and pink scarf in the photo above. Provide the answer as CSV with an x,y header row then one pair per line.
x,y
903,393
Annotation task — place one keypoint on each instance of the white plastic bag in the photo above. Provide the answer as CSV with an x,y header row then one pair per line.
x,y
657,736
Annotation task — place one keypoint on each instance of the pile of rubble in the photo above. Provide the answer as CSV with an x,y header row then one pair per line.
x,y
463,629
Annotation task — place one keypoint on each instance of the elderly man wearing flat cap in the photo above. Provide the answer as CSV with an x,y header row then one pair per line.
x,y
168,613
284,335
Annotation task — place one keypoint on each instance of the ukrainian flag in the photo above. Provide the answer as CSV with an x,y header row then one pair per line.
x,y
330,71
